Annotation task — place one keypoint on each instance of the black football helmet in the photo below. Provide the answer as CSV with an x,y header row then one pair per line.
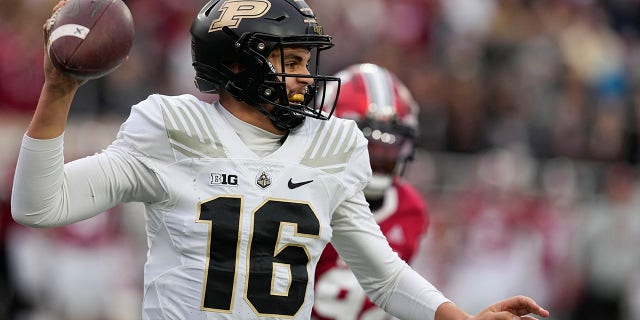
x,y
244,32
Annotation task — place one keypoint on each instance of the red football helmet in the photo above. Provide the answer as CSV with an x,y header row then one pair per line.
x,y
387,114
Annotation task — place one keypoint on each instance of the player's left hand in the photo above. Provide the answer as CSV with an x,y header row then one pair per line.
x,y
517,307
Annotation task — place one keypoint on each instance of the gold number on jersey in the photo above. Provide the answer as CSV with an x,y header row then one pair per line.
x,y
266,254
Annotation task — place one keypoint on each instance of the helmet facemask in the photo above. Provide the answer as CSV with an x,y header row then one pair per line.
x,y
391,148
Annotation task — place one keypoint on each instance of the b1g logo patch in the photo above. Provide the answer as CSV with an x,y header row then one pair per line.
x,y
223,179
232,13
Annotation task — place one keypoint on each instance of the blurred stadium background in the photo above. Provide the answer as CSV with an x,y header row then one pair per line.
x,y
528,150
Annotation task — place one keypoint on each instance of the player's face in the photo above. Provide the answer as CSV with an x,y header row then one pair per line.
x,y
293,61
383,156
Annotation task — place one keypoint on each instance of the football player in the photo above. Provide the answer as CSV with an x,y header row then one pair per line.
x,y
386,112
242,194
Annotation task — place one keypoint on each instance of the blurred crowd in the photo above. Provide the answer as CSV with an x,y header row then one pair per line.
x,y
528,150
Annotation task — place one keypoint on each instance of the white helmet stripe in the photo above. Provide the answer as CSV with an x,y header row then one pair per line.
x,y
380,88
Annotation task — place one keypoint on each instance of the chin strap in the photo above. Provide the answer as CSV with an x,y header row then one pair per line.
x,y
285,119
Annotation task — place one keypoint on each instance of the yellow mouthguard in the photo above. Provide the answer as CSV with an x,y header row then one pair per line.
x,y
298,97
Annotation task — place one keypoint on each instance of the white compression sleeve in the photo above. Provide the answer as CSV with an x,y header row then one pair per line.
x,y
49,193
390,282
38,176
414,297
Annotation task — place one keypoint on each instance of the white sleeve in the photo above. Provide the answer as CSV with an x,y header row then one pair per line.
x,y
388,280
48,193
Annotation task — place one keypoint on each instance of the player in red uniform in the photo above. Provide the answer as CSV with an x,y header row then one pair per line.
x,y
387,114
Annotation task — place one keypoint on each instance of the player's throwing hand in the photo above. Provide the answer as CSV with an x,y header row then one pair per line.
x,y
517,307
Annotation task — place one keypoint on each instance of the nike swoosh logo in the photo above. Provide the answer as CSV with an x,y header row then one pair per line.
x,y
293,185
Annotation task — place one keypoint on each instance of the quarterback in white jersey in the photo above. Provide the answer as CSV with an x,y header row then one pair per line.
x,y
231,234
242,194
234,232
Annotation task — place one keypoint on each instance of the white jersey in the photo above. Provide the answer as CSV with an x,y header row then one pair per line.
x,y
231,235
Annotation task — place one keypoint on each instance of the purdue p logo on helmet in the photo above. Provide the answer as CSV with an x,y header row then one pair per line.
x,y
232,12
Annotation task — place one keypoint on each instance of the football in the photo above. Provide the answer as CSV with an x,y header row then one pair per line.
x,y
88,39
